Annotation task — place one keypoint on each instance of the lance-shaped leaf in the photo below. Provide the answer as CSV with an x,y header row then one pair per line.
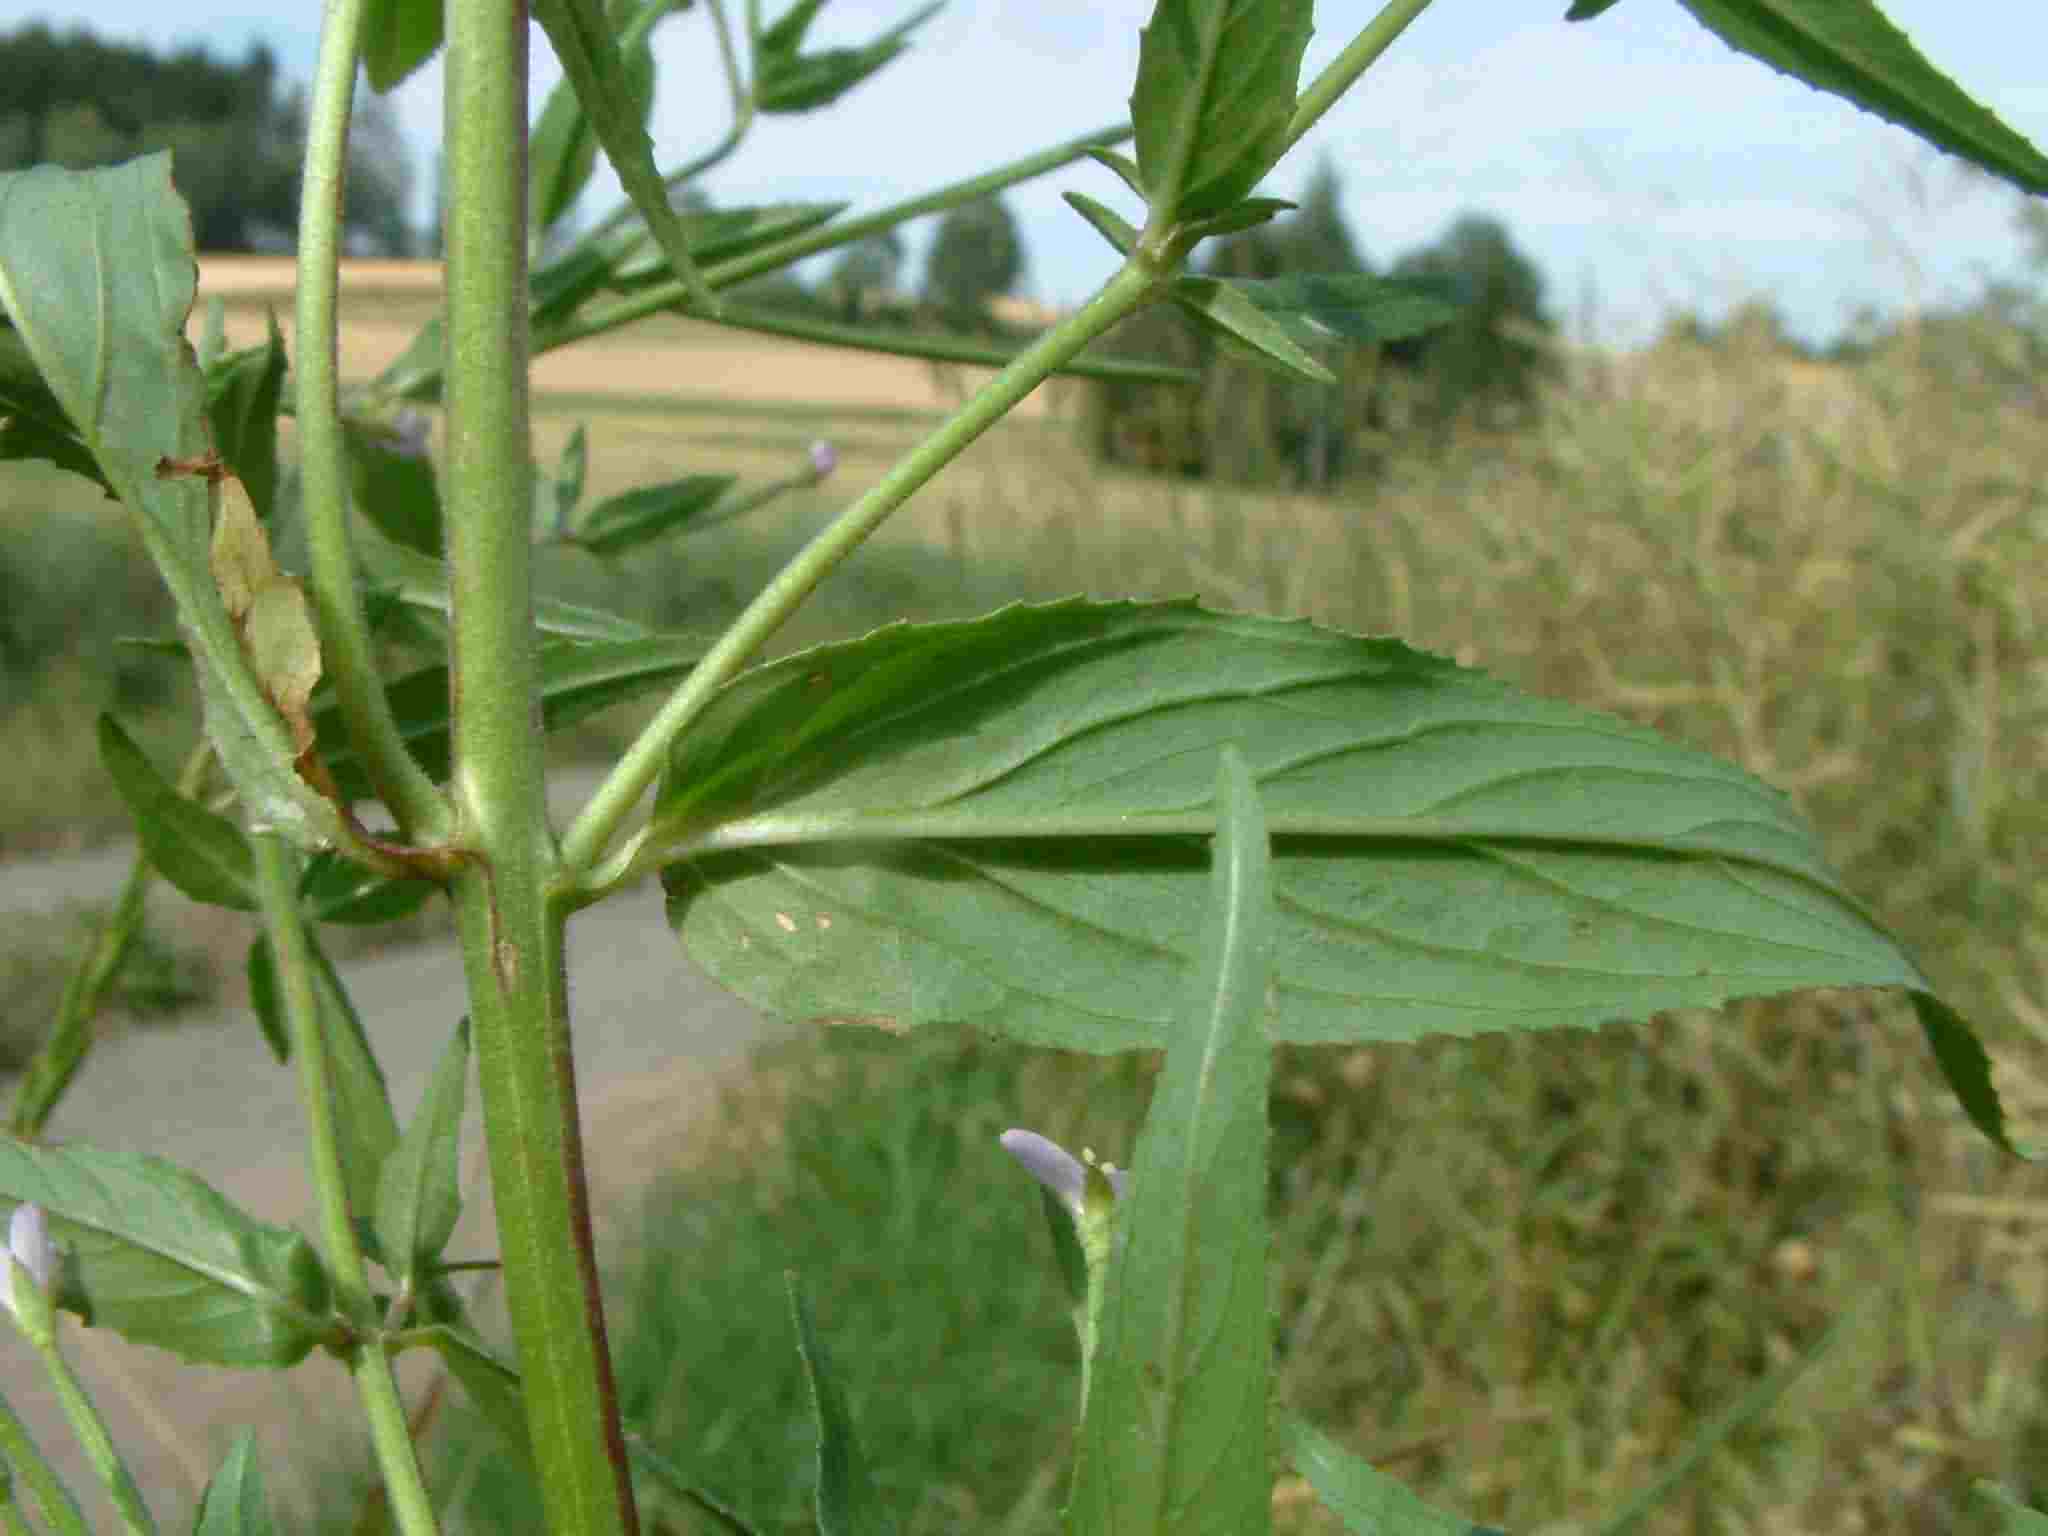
x,y
1849,49
1215,91
365,1124
97,275
1349,306
202,854
1369,1502
848,1504
631,518
786,79
593,63
398,37
577,679
996,822
393,486
32,422
2015,1518
243,391
492,1385
563,153
419,1194
1174,1440
233,1504
1278,341
1586,10
1122,236
334,889
163,1259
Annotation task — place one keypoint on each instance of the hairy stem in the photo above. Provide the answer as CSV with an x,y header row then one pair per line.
x,y
276,883
592,831
511,936
1342,72
346,651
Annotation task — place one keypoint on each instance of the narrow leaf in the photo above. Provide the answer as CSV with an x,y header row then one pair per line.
x,y
266,1000
233,1504
97,274
333,889
1849,49
1248,213
413,580
636,517
1586,10
1369,1502
592,61
577,680
492,1385
664,1474
202,854
419,1194
243,393
162,1259
562,154
32,422
1125,167
993,823
1215,91
2015,1518
787,80
1174,1440
1120,234
847,1502
1276,341
1350,306
572,470
394,488
398,37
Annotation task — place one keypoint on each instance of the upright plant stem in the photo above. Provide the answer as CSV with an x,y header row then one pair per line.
x,y
1343,71
346,652
511,934
615,798
276,868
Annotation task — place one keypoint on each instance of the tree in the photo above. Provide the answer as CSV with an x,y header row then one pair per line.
x,y
976,256
1492,354
235,131
866,272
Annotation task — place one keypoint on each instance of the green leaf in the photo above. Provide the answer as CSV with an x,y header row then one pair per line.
x,y
1276,341
1586,10
577,679
1350,306
164,1260
1247,214
492,1385
572,471
335,889
394,489
233,1504
1849,49
97,274
398,37
659,1470
635,517
1174,1438
788,80
1113,228
202,854
562,154
407,578
1125,167
365,1125
592,61
243,392
1369,1502
993,823
32,422
1215,92
419,1194
847,1502
2015,1518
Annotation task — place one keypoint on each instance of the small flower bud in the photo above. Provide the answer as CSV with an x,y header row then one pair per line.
x,y
29,1252
411,429
1065,1175
824,458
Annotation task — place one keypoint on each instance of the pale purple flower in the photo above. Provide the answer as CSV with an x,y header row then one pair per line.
x,y
29,1251
1058,1169
412,429
824,458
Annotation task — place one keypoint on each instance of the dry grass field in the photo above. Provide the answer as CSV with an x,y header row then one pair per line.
x,y
1529,1273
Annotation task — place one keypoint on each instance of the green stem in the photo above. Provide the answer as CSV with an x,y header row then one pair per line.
x,y
19,1451
346,650
511,934
98,1445
277,892
592,831
1343,71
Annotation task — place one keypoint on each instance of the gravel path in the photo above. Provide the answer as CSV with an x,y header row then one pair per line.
x,y
650,1033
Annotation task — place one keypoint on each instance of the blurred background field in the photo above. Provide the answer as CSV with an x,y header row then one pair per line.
x,y
1523,1272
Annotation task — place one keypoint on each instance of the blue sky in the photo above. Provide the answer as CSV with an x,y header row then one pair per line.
x,y
1643,165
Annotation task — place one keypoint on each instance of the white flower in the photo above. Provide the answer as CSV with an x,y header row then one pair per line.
x,y
29,1252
